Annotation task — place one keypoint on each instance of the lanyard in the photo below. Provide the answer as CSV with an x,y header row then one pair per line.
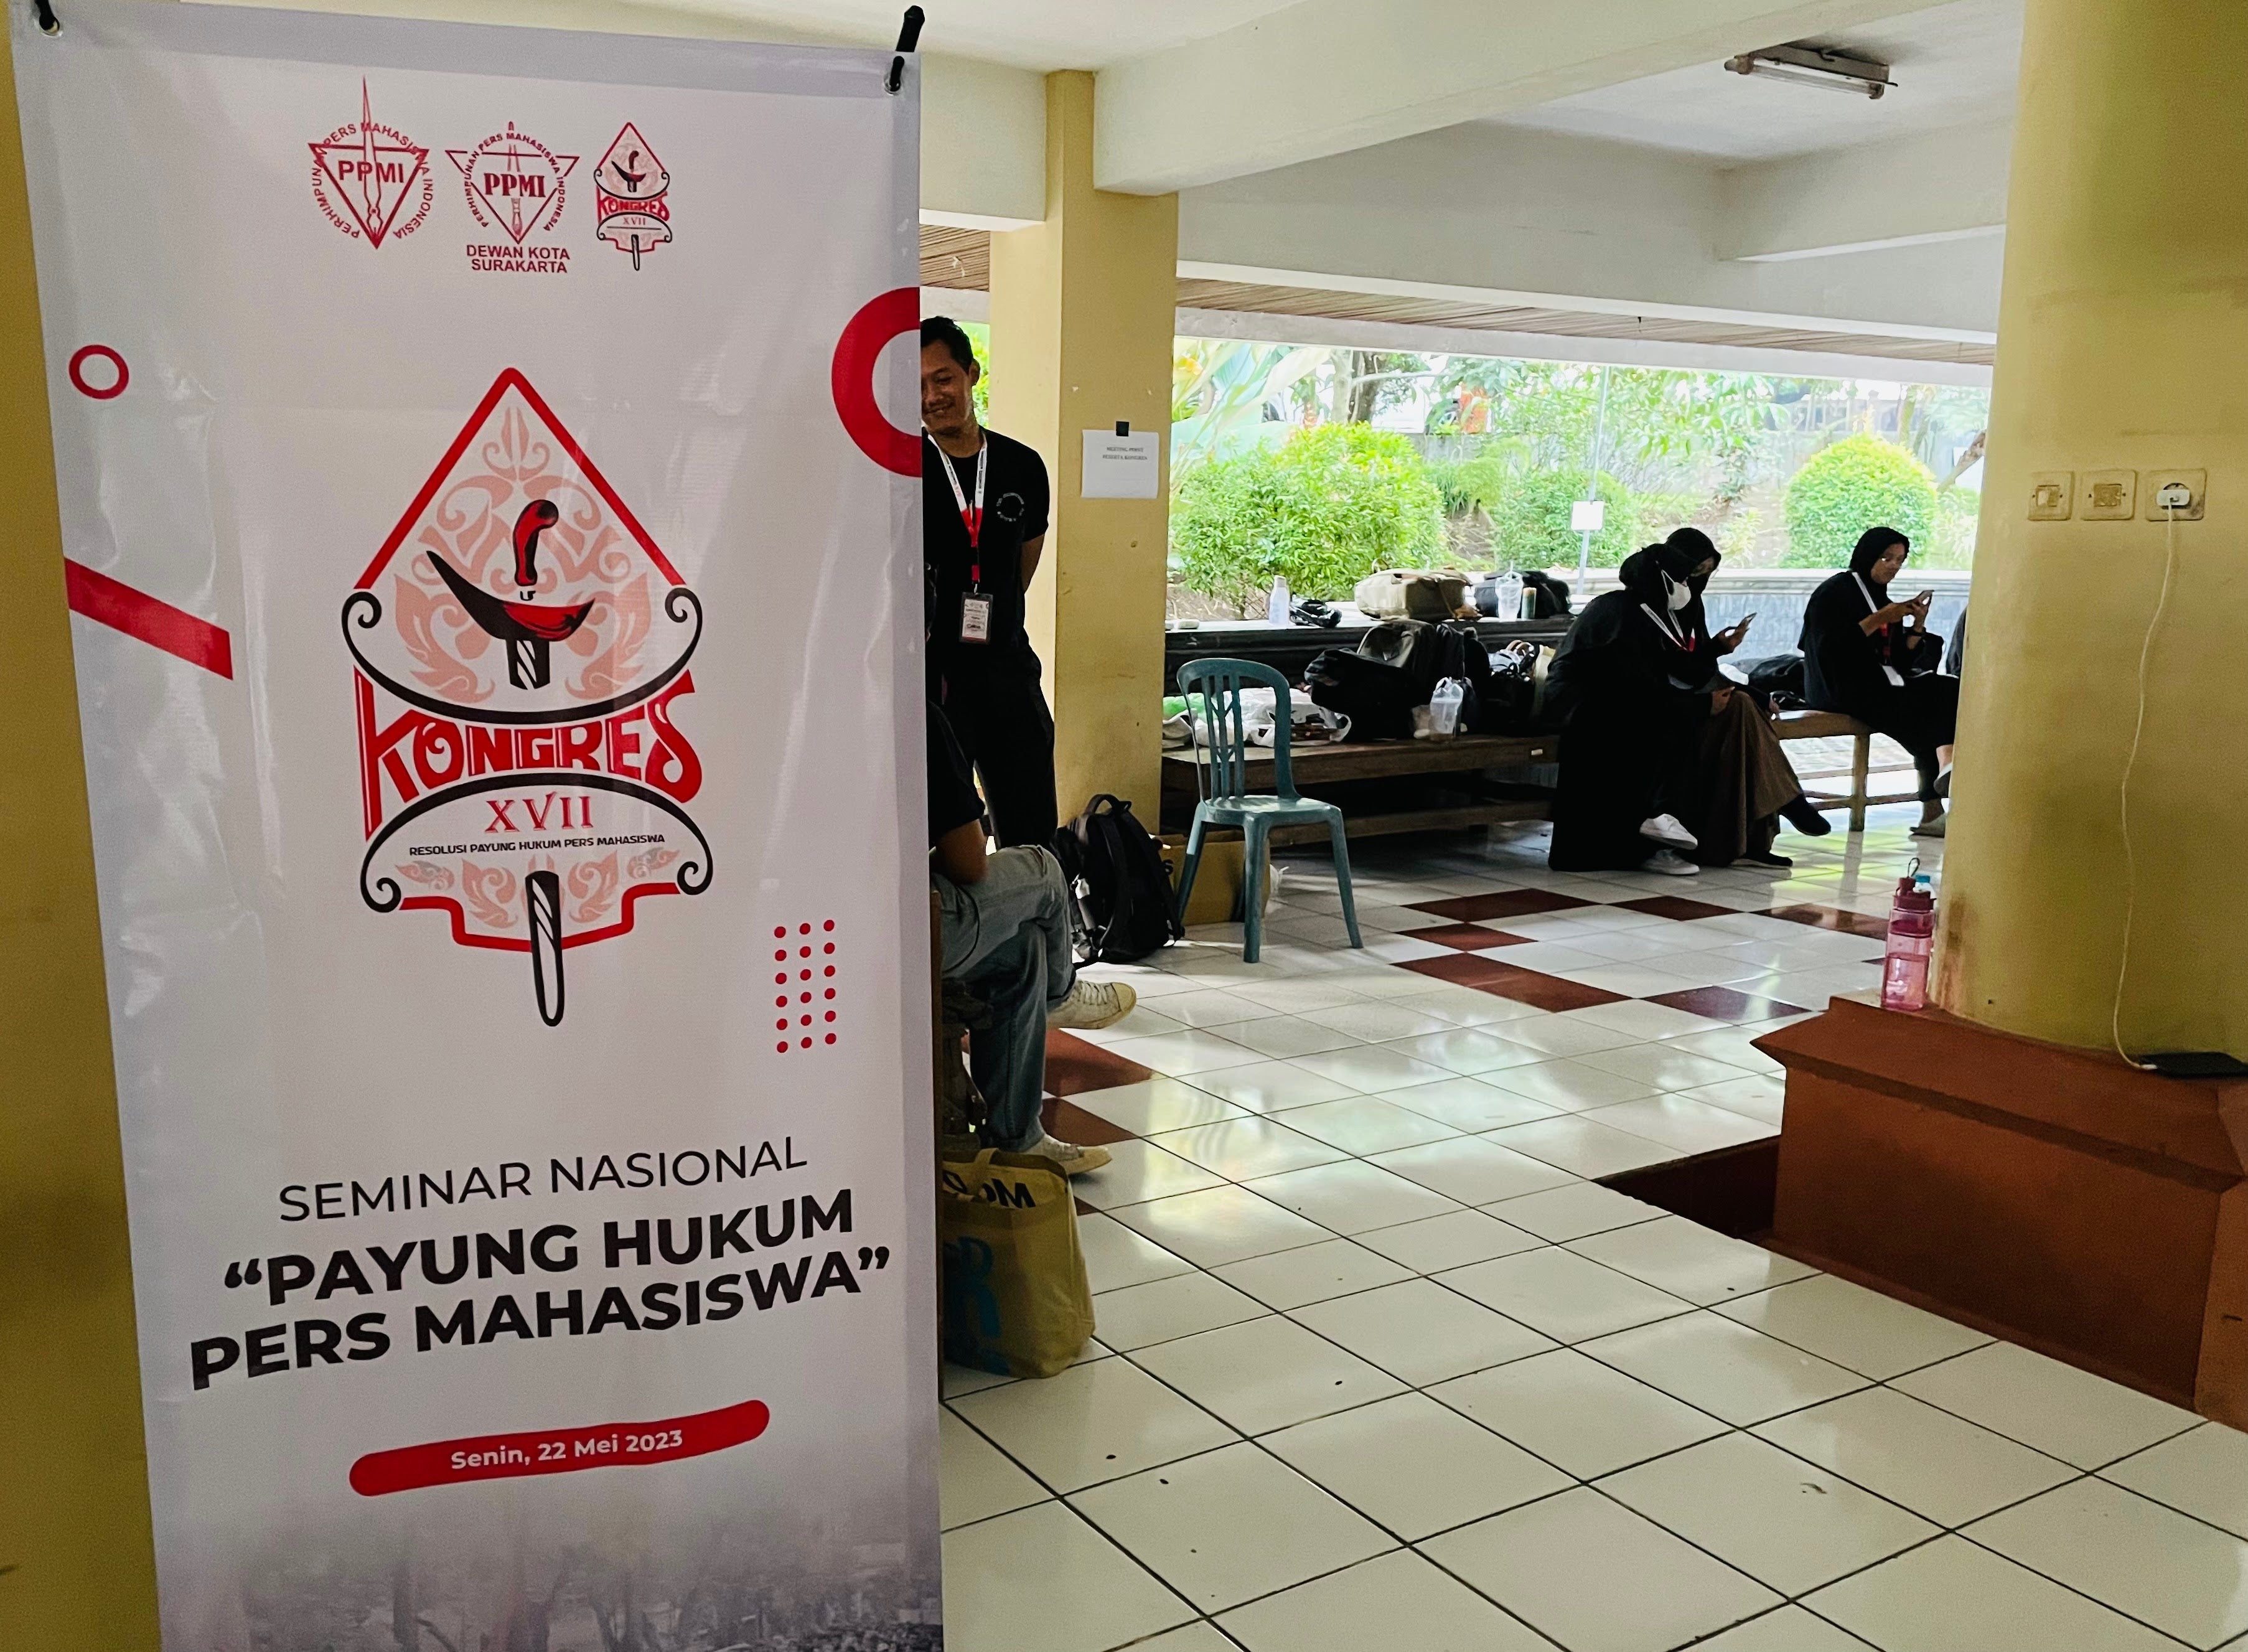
x,y
1872,606
972,516
1667,628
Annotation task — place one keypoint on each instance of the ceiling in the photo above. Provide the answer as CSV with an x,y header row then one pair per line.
x,y
1030,34
1953,65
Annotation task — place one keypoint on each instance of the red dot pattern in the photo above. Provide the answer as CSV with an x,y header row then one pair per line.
x,y
798,1032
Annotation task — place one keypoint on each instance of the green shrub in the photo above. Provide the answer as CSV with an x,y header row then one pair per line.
x,y
1861,482
1958,513
1323,511
1529,521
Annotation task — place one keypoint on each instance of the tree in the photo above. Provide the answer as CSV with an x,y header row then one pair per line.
x,y
1859,482
1529,521
1327,508
1228,395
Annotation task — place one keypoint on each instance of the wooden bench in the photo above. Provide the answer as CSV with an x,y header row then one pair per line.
x,y
1317,767
1832,725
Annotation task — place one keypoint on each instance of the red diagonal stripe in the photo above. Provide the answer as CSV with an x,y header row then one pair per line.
x,y
139,615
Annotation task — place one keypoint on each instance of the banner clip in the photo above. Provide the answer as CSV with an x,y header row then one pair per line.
x,y
50,24
908,40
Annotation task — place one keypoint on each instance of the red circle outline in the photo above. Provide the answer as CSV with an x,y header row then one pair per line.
x,y
852,380
86,353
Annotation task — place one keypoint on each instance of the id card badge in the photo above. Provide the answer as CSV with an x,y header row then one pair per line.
x,y
975,618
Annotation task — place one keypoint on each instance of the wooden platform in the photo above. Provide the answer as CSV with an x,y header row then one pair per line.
x,y
1336,773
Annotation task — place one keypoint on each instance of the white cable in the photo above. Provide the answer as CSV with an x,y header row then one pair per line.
x,y
2138,728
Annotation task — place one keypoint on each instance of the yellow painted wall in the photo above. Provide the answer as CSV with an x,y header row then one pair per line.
x,y
2123,344
77,1570
1083,308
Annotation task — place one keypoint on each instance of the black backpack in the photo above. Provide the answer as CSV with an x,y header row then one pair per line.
x,y
1121,884
1376,696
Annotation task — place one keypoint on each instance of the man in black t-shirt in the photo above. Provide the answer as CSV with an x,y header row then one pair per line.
x,y
985,509
1006,935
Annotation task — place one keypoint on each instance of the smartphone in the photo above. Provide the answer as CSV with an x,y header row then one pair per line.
x,y
1747,621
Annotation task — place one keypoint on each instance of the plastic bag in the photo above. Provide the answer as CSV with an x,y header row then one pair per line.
x,y
1015,1298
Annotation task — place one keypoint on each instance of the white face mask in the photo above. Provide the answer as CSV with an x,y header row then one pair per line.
x,y
1679,595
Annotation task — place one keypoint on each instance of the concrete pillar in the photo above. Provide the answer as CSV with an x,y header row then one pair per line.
x,y
2123,347
1082,314
75,1533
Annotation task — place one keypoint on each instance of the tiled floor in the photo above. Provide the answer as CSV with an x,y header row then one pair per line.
x,y
1380,1364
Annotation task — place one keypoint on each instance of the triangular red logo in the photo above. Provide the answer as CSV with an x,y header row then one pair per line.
x,y
371,172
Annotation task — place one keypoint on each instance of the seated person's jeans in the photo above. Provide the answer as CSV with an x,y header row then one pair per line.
x,y
1007,939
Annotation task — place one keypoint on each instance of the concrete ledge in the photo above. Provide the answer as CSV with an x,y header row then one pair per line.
x,y
2054,1196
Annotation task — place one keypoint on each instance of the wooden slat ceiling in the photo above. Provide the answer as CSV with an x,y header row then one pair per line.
x,y
962,258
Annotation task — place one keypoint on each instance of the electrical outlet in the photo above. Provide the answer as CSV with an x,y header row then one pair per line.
x,y
2052,495
2176,495
2109,496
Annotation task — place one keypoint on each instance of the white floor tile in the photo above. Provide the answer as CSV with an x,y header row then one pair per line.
x,y
1950,1596
1567,1034
1351,1197
1415,1466
2203,1472
2147,1562
1312,1273
1550,957
1875,1335
1630,979
1214,1007
1789,1630
1578,1414
1569,1084
1779,1519
1421,1332
1657,1592
1249,1146
995,1570
1402,949
1437,1243
1574,1210
1092,1422
1377,1022
1139,1171
1468,1049
1734,1045
1473,1169
1365,1124
1266,1375
1465,1007
1685,1125
1690,1261
1282,1036
1562,1295
1116,1257
2059,1410
1395,1600
976,1478
1369,1069
1760,1096
1583,1146
1297,997
1934,1464
1182,1054
1155,1104
1194,1637
1144,1022
1225,1528
1726,1370
1221,1224
1141,1315
954,1381
1271,1086
1469,1104
1663,1065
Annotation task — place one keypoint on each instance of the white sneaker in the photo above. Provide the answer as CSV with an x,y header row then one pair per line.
x,y
1932,828
1067,1157
1092,1004
1667,830
1670,865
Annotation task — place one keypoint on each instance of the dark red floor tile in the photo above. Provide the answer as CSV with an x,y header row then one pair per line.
x,y
1834,918
1724,1003
1072,1123
1462,968
1545,991
1507,903
1673,906
1468,937
1074,1066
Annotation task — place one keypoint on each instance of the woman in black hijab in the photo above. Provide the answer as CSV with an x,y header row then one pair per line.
x,y
1876,660
1660,757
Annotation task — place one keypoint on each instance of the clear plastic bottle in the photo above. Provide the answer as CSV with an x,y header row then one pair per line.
x,y
1444,706
1508,605
1276,610
1912,938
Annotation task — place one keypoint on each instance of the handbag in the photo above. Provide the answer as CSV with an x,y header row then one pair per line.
x,y
1017,1301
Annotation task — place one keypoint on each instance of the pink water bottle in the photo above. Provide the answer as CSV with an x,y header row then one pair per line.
x,y
1912,937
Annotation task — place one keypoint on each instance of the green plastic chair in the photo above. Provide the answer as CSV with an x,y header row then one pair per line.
x,y
1221,784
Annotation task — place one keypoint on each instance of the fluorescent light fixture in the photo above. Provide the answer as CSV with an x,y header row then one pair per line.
x,y
1816,66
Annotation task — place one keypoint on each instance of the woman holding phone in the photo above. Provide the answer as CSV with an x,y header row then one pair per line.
x,y
1876,660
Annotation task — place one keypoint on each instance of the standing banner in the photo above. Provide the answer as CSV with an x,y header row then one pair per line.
x,y
486,475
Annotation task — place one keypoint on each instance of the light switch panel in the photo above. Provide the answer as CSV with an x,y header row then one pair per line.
x,y
2107,496
2052,495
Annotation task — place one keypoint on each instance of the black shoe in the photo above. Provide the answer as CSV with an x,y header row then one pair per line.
x,y
1805,819
1767,858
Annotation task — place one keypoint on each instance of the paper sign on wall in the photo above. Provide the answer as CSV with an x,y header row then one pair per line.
x,y
1123,466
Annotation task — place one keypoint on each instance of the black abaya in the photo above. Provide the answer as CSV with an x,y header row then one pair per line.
x,y
1842,671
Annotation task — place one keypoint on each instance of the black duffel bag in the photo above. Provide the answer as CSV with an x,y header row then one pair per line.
x,y
1376,696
